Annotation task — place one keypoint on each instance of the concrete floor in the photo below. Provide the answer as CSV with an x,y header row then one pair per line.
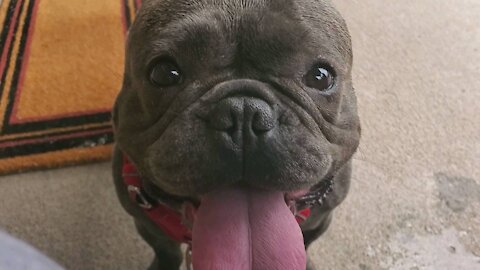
x,y
416,188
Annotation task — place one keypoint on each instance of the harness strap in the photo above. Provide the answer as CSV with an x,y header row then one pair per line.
x,y
166,218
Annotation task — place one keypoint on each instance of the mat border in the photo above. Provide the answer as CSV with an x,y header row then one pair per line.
x,y
78,136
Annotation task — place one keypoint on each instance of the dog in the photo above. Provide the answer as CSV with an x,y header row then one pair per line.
x,y
235,129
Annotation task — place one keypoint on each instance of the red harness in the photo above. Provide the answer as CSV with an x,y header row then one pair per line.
x,y
169,220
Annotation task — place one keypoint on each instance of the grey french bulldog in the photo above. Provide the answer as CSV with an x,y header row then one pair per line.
x,y
238,115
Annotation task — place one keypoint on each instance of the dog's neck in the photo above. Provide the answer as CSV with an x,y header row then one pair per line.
x,y
176,223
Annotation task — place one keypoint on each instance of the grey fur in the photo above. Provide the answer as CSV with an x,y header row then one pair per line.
x,y
236,52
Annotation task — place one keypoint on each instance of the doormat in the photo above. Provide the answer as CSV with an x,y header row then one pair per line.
x,y
61,65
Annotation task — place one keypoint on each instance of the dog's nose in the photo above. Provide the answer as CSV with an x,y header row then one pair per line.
x,y
250,115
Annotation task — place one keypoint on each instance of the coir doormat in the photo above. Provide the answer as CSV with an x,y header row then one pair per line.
x,y
60,66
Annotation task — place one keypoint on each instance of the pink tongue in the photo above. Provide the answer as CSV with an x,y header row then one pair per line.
x,y
245,229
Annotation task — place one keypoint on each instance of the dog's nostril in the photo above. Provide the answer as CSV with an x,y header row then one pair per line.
x,y
224,117
263,121
231,131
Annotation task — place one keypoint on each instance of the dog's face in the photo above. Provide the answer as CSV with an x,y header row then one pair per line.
x,y
224,92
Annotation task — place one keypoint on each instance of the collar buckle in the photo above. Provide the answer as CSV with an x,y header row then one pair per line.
x,y
137,195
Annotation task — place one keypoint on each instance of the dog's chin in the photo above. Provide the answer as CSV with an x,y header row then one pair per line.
x,y
158,192
193,165
187,179
293,183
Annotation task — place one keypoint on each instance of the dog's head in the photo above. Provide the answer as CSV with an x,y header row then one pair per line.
x,y
223,92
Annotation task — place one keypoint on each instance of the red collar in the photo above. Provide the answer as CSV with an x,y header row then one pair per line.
x,y
168,219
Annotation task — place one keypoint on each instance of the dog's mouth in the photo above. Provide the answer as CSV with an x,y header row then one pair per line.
x,y
243,227
247,228
295,200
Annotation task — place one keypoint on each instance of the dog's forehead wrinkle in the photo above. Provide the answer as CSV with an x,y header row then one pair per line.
x,y
158,13
252,33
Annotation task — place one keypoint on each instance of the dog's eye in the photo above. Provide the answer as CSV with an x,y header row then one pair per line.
x,y
165,73
321,77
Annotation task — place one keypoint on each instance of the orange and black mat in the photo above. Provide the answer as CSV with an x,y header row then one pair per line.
x,y
60,66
